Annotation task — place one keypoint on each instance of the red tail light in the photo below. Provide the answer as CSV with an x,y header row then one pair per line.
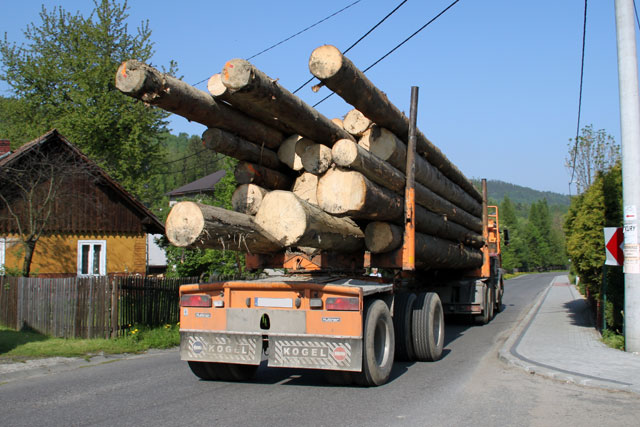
x,y
343,304
195,301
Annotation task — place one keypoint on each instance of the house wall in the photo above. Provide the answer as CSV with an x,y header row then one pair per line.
x,y
57,255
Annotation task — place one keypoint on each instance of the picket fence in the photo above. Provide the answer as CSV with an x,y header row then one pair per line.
x,y
97,307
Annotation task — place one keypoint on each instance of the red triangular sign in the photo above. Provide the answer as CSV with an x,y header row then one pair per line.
x,y
615,247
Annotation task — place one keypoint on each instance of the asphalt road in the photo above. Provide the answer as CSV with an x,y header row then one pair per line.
x,y
468,386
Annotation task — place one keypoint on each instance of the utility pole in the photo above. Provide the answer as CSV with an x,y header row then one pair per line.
x,y
630,131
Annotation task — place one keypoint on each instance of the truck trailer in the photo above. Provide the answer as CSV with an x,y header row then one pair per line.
x,y
370,234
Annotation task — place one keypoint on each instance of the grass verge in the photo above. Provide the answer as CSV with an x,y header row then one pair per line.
x,y
613,339
29,344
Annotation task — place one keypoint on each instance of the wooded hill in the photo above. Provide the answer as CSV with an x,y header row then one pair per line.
x,y
519,194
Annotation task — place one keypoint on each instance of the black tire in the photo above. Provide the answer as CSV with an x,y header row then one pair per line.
x,y
487,308
200,369
499,294
378,346
402,307
242,372
427,327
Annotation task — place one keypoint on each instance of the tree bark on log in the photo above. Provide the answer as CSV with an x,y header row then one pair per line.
x,y
316,158
386,146
356,123
195,225
294,222
250,173
340,75
241,149
259,91
220,91
305,187
381,237
247,198
147,84
349,154
344,192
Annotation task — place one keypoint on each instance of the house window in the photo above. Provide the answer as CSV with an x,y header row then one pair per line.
x,y
92,257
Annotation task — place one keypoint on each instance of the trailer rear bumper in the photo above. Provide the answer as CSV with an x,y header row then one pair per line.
x,y
285,350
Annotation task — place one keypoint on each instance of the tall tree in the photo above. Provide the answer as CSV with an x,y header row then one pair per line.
x,y
593,152
62,77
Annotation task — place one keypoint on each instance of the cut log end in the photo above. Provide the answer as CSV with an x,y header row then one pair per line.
x,y
131,77
283,215
356,123
215,86
340,192
247,198
380,237
236,74
316,158
325,61
184,224
344,152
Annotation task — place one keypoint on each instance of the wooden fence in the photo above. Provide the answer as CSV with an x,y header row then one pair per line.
x,y
99,307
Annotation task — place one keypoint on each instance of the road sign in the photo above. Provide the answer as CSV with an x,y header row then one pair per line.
x,y
614,245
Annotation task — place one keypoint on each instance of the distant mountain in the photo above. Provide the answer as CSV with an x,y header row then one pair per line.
x,y
518,194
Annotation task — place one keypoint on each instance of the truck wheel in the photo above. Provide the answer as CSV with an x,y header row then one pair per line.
x,y
377,346
402,308
427,327
241,372
200,370
487,307
499,294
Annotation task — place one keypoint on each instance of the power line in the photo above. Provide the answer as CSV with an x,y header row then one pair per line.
x,y
575,147
302,31
296,34
398,46
359,40
636,13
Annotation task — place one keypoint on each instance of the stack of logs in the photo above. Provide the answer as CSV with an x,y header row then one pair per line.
x,y
308,182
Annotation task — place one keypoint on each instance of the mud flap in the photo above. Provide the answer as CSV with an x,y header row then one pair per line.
x,y
343,354
221,347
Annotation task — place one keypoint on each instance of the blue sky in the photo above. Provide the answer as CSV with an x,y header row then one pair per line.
x,y
498,79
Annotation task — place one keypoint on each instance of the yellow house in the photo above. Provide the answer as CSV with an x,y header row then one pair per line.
x,y
90,224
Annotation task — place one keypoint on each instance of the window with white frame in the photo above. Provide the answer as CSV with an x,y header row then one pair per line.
x,y
92,257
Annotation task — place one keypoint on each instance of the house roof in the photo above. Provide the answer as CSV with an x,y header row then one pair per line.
x,y
202,185
151,222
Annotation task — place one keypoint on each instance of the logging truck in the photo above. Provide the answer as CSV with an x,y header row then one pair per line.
x,y
323,203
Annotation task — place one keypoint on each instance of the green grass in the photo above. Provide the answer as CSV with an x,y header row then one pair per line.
x,y
508,276
29,344
613,339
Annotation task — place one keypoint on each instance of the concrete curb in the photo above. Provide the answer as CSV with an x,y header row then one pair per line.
x,y
38,367
509,355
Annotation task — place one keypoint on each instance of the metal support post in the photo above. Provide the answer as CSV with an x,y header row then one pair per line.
x,y
630,132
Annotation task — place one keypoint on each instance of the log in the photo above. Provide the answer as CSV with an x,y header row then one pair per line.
x,y
302,145
220,91
344,192
305,187
346,153
241,149
149,85
247,198
349,193
386,146
260,92
339,74
287,153
294,222
356,123
316,158
194,225
433,252
251,173
338,122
